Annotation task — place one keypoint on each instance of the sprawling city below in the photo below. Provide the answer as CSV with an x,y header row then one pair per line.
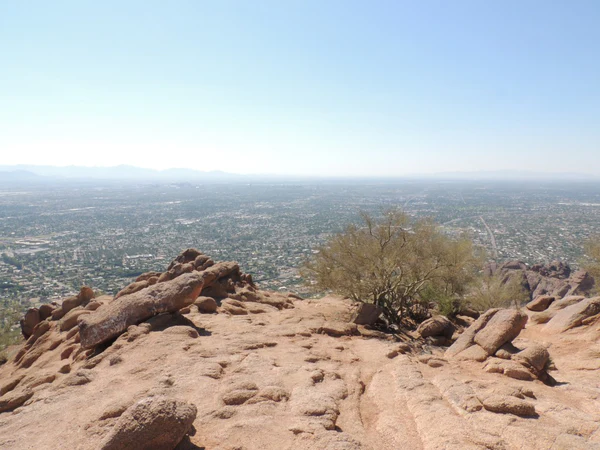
x,y
58,236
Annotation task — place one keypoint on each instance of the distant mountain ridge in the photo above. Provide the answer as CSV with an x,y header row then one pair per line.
x,y
44,173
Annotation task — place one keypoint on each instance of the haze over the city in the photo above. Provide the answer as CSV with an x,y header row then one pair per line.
x,y
303,88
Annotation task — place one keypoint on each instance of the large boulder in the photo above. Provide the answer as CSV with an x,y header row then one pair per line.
x,y
29,321
436,326
366,314
503,327
154,423
113,319
491,331
573,316
540,303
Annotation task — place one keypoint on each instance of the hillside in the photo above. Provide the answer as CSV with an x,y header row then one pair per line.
x,y
197,357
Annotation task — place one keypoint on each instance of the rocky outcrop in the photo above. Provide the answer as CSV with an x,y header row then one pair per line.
x,y
244,368
574,315
540,303
555,279
109,322
154,423
436,326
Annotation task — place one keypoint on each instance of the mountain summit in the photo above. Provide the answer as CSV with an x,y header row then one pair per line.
x,y
198,357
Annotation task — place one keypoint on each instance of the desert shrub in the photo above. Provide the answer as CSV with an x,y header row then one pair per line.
x,y
497,291
397,264
591,259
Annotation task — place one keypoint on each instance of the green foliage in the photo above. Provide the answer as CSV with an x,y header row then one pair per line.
x,y
591,261
497,291
9,331
397,264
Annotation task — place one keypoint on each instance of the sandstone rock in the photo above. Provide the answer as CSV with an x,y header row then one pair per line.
x,y
147,275
113,319
154,423
466,339
29,321
233,307
557,305
206,305
507,351
366,314
436,326
573,316
580,282
508,405
472,353
93,305
337,329
540,303
14,399
503,327
133,287
46,310
534,355
81,299
509,368
71,318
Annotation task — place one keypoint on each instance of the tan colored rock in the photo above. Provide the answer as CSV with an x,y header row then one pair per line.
x,y
366,314
534,355
29,321
503,327
154,423
436,326
337,329
71,318
113,319
81,299
147,275
46,310
540,303
466,339
14,399
509,405
133,287
573,316
473,353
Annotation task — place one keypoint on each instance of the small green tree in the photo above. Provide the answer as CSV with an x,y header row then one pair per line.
x,y
497,291
395,263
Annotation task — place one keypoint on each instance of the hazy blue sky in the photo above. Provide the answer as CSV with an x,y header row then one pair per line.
x,y
303,87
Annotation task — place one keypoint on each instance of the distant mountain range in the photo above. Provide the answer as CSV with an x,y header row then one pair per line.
x,y
33,173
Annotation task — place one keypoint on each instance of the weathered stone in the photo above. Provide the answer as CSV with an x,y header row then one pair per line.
x,y
29,321
81,299
14,399
46,310
133,287
540,303
466,339
573,316
206,305
503,327
534,355
154,423
508,405
366,314
71,318
436,326
113,319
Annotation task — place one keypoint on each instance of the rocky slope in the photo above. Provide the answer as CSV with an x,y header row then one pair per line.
x,y
197,357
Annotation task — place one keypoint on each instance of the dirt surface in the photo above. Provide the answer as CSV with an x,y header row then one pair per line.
x,y
273,379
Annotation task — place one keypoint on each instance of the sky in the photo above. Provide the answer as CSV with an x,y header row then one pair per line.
x,y
322,88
